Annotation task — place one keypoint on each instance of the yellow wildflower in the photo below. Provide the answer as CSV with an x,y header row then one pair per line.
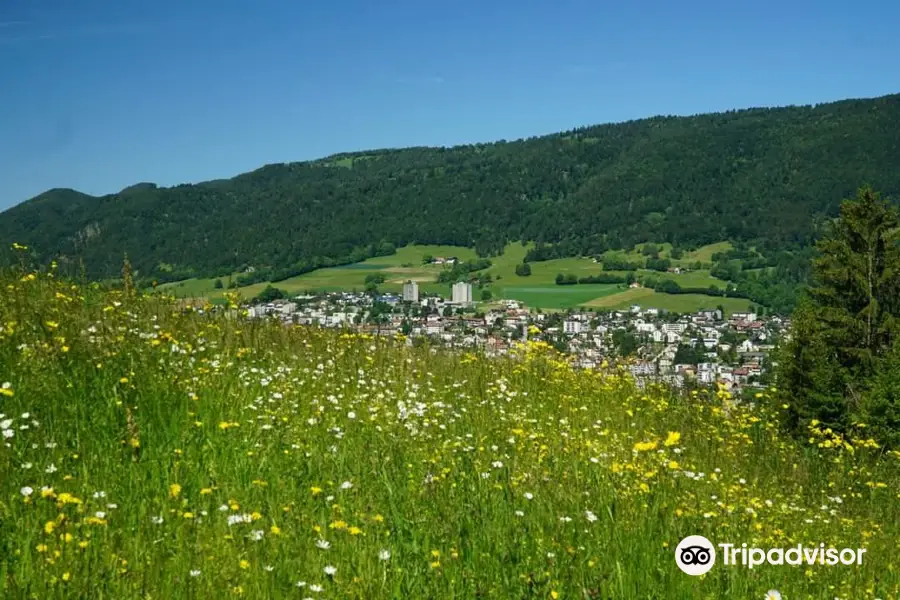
x,y
645,446
672,438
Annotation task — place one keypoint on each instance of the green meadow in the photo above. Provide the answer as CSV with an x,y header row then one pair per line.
x,y
154,451
559,296
682,303
539,290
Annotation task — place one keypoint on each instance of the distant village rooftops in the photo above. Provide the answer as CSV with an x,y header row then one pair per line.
x,y
702,347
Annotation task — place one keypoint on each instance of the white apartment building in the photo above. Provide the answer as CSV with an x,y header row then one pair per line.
x,y
461,293
410,291
572,326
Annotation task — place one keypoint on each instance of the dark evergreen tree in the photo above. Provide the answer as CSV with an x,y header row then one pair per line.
x,y
848,324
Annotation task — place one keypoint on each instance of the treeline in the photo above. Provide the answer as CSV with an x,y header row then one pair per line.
x,y
572,279
612,263
774,281
251,275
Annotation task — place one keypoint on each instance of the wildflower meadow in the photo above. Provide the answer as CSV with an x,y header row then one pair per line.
x,y
156,450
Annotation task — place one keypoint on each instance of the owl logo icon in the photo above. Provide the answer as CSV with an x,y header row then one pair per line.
x,y
695,555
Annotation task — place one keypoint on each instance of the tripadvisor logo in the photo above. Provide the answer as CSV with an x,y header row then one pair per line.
x,y
696,555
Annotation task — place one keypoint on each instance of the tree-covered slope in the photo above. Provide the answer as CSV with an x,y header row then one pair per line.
x,y
761,175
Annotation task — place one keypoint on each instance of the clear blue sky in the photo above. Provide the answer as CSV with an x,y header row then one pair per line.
x,y
99,94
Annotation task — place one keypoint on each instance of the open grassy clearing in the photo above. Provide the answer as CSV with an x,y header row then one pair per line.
x,y
151,452
704,253
407,264
683,303
564,296
621,299
194,287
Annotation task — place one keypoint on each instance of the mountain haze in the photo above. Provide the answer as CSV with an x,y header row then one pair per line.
x,y
766,176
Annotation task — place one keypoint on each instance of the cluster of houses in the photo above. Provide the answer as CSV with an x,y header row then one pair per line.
x,y
704,348
444,260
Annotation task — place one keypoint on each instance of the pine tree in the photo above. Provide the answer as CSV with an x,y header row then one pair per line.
x,y
848,323
856,287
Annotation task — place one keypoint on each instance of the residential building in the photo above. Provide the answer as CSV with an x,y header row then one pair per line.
x,y
461,293
410,291
572,326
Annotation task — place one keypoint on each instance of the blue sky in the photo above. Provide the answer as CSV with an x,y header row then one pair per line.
x,y
99,94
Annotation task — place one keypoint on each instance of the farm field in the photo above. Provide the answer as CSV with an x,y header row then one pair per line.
x,y
562,296
647,298
407,264
152,452
193,287
347,277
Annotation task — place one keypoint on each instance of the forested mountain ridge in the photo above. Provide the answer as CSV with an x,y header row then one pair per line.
x,y
766,176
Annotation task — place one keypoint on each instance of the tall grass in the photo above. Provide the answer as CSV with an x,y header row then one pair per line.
x,y
153,451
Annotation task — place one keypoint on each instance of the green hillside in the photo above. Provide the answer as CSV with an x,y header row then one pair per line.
x,y
765,176
538,290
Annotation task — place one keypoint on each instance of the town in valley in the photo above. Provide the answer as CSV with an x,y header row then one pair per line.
x,y
705,348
